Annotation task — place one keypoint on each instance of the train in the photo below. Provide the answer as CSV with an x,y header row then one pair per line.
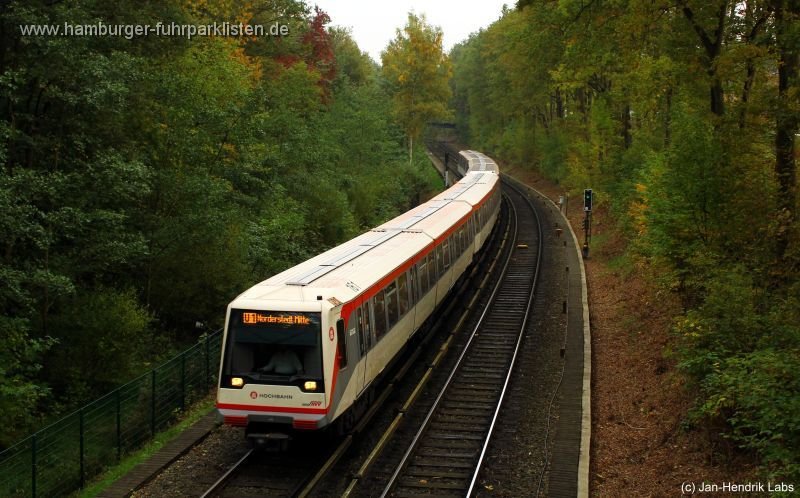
x,y
303,349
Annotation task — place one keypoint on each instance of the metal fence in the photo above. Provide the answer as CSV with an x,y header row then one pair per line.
x,y
60,458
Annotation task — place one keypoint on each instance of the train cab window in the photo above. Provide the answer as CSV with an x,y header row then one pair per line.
x,y
341,344
402,293
379,309
391,304
273,347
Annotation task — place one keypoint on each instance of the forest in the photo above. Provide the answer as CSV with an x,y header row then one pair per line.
x,y
683,116
146,181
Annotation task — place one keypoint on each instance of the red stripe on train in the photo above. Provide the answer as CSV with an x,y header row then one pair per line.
x,y
280,409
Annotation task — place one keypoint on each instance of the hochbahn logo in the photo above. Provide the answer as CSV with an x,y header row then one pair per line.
x,y
255,395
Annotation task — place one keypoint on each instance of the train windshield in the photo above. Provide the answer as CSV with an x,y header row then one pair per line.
x,y
273,347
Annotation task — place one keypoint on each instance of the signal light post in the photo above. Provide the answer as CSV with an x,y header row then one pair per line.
x,y
587,221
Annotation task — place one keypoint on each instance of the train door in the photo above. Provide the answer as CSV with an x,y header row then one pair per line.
x,y
364,340
413,290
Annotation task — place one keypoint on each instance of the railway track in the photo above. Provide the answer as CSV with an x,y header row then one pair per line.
x,y
445,455
261,474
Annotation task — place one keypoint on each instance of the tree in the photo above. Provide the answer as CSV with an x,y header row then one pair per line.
x,y
417,71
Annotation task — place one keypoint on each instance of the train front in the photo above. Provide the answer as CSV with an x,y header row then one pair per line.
x,y
272,373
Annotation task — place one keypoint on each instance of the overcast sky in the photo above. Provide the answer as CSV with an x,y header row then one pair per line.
x,y
373,23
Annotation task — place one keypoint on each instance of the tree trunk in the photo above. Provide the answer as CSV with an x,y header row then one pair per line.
x,y
559,105
626,126
668,119
713,49
787,12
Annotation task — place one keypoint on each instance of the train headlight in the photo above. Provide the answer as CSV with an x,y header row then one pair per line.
x,y
237,382
310,385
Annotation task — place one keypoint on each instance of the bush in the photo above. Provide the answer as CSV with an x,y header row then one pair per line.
x,y
759,395
743,350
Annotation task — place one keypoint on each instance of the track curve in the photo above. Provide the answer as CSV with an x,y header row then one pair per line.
x,y
445,455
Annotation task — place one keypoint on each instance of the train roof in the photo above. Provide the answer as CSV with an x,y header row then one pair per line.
x,y
480,162
343,272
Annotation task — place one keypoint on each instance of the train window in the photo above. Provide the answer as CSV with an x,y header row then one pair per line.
x,y
341,344
431,269
413,288
439,262
360,324
367,329
379,308
279,352
422,275
402,293
446,251
391,304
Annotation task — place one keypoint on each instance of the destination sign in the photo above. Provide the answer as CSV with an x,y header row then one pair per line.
x,y
251,318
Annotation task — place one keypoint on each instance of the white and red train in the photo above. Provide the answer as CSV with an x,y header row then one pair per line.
x,y
302,349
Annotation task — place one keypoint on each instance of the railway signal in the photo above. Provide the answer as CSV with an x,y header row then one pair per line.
x,y
587,199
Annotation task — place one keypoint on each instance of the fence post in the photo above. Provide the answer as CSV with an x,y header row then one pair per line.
x,y
33,465
82,448
119,427
153,404
183,381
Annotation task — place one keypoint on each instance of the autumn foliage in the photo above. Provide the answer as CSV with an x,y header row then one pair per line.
x,y
683,117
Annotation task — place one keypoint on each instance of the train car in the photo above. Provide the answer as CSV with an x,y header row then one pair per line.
x,y
302,349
